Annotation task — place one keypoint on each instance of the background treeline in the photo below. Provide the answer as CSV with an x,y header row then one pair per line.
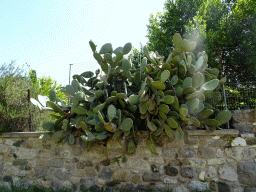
x,y
225,29
15,111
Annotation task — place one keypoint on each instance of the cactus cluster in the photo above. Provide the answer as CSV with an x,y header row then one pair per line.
x,y
163,96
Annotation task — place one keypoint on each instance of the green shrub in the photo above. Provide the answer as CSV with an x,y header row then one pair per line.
x,y
162,97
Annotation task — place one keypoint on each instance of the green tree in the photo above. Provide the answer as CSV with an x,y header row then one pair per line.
x,y
42,86
177,15
15,111
226,29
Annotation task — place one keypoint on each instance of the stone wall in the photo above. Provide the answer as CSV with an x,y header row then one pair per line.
x,y
244,120
202,161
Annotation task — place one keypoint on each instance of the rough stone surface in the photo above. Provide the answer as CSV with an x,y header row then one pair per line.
x,y
211,172
95,188
57,163
248,153
7,178
171,171
160,187
151,177
168,152
26,153
197,162
187,152
218,161
124,159
175,167
218,143
198,185
243,127
206,152
187,172
127,187
139,164
88,181
80,165
251,141
56,185
238,142
20,162
223,187
181,188
170,180
90,172
105,162
41,172
154,168
106,173
62,175
18,143
213,186
219,153
247,173
227,173
88,163
175,162
77,151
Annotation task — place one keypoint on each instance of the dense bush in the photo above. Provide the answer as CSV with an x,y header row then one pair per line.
x,y
157,96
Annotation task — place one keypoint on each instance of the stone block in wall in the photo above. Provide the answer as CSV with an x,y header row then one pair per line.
x,y
251,141
198,185
41,171
121,175
3,148
247,173
62,175
56,163
26,153
227,172
88,181
217,143
176,143
223,187
175,162
198,163
151,177
106,173
187,172
186,152
211,173
219,153
168,152
181,188
138,164
216,161
244,116
243,127
206,152
241,153
171,171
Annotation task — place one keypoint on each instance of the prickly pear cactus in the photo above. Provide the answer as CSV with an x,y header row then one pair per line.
x,y
163,96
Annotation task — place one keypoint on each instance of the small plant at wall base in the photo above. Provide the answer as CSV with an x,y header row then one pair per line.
x,y
162,97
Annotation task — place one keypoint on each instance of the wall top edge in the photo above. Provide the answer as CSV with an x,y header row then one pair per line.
x,y
232,132
22,134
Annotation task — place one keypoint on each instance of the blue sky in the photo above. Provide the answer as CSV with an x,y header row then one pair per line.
x,y
51,34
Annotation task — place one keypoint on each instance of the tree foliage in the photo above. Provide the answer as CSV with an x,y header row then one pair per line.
x,y
225,29
15,110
